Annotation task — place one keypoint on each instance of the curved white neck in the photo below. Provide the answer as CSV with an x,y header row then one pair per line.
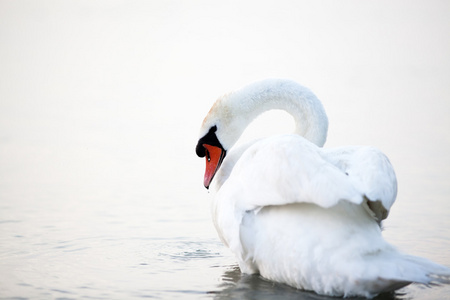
x,y
237,110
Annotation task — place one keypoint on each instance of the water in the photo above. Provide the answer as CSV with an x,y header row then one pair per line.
x,y
100,103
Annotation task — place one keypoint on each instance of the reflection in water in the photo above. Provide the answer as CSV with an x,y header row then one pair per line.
x,y
236,285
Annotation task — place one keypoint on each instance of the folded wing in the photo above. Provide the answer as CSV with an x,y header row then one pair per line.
x,y
289,169
370,172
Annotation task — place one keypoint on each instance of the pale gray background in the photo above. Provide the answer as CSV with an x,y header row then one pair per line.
x,y
100,105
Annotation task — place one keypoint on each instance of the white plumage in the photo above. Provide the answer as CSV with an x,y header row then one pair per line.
x,y
300,214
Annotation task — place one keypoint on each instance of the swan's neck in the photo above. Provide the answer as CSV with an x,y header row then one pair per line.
x,y
243,106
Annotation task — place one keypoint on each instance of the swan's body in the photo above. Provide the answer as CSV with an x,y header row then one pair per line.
x,y
300,214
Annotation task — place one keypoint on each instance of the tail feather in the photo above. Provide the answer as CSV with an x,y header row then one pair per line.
x,y
422,271
391,271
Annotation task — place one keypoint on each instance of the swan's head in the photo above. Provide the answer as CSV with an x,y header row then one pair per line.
x,y
210,147
214,140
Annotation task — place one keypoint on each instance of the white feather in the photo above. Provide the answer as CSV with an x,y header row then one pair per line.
x,y
303,215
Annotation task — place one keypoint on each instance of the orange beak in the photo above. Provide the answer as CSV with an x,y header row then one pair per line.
x,y
214,156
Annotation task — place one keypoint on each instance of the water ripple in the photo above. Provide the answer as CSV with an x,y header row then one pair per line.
x,y
186,250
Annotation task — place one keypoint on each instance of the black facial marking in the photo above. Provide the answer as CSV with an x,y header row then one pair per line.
x,y
211,139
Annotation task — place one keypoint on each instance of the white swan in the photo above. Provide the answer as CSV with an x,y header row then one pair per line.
x,y
299,214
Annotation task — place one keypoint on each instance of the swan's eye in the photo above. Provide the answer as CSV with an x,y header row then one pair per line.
x,y
208,158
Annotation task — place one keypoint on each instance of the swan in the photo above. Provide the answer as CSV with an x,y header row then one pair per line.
x,y
297,213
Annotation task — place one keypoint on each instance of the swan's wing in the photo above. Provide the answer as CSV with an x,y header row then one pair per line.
x,y
287,169
370,172
275,171
290,169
